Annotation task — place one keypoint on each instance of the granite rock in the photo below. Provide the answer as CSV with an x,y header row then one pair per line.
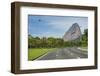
x,y
73,33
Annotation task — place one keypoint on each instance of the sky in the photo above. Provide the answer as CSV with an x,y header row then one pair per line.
x,y
53,26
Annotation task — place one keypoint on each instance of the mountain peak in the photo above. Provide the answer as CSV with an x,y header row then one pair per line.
x,y
73,33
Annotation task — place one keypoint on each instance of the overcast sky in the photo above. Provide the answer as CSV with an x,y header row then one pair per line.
x,y
53,26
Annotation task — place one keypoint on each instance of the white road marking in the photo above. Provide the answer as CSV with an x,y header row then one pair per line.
x,y
57,53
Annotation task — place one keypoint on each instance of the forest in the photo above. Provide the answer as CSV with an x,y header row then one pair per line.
x,y
51,42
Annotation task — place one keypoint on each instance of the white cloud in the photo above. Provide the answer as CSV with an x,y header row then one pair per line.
x,y
61,25
65,23
48,34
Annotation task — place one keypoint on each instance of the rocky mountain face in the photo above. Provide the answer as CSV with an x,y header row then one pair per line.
x,y
73,33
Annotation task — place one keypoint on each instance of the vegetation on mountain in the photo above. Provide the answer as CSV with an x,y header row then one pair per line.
x,y
51,42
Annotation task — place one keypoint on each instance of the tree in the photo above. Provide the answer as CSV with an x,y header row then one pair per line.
x,y
37,42
84,40
30,41
44,42
59,42
51,42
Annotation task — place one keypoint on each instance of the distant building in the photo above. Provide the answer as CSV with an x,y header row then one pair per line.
x,y
74,33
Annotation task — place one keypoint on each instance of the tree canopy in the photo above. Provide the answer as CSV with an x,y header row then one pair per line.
x,y
51,42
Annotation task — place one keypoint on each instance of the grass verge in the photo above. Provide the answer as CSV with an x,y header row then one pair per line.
x,y
84,49
34,53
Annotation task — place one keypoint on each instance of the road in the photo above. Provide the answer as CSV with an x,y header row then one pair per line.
x,y
64,53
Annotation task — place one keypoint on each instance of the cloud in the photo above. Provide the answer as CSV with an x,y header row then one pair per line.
x,y
65,23
54,26
49,34
60,24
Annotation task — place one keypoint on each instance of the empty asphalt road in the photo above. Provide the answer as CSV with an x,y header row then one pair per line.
x,y
64,53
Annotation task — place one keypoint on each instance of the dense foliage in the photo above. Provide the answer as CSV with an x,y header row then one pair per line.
x,y
51,42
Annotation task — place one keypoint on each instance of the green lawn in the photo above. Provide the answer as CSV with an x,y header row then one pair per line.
x,y
84,48
34,53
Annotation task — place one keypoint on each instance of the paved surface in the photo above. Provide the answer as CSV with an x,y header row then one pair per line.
x,y
64,53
